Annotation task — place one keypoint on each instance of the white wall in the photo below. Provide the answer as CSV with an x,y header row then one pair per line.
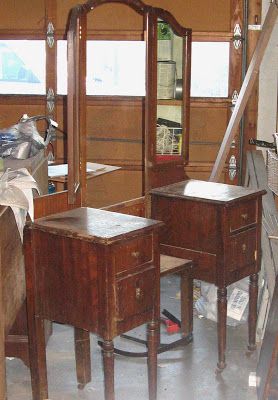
x,y
268,84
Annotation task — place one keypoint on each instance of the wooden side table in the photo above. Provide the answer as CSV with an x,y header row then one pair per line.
x,y
218,226
97,271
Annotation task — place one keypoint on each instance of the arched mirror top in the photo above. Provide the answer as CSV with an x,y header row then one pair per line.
x,y
136,5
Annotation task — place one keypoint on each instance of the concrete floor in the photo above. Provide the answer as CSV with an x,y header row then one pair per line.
x,y
183,374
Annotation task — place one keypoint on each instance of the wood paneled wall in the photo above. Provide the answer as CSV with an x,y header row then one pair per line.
x,y
200,15
18,17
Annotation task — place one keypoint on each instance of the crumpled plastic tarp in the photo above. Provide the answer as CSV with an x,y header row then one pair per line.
x,y
16,191
22,140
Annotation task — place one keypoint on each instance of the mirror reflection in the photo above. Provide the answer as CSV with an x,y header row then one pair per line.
x,y
169,93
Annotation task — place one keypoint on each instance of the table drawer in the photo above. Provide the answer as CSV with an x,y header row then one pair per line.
x,y
241,250
135,294
133,253
242,215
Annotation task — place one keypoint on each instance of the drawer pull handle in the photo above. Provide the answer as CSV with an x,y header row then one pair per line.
x,y
244,247
135,254
138,293
244,217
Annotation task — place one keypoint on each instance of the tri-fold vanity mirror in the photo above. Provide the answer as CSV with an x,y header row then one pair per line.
x,y
165,104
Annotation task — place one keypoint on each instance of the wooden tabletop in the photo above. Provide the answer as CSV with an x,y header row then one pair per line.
x,y
94,224
206,191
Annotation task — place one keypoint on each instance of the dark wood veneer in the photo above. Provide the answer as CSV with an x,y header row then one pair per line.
x,y
98,271
217,226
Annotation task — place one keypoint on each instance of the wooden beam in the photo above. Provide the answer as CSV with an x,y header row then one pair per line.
x,y
266,367
245,91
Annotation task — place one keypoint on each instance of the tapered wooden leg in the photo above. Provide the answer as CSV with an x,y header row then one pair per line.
x,y
82,357
221,326
37,354
153,342
108,366
252,317
186,290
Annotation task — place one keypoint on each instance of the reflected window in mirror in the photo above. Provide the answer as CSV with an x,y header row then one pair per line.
x,y
114,68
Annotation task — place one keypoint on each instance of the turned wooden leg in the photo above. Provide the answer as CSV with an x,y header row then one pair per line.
x,y
82,357
221,326
252,317
37,354
108,366
186,290
153,342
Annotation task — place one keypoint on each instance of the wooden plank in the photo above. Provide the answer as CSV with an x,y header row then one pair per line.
x,y
263,310
245,91
269,262
2,347
251,111
267,384
256,177
261,176
12,282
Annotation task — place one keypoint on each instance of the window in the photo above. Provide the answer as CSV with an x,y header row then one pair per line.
x,y
115,68
210,69
20,71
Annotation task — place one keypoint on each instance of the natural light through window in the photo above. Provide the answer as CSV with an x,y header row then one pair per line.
x,y
22,66
115,68
210,69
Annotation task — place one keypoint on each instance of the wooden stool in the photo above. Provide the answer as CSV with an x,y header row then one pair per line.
x,y
173,265
168,265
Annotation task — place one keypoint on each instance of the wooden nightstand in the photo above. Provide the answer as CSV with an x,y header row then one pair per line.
x,y
217,226
97,271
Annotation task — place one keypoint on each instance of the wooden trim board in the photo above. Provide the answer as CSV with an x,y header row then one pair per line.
x,y
245,91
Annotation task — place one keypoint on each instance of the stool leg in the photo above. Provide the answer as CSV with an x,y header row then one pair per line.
x,y
153,342
82,356
186,289
252,318
221,326
37,354
108,366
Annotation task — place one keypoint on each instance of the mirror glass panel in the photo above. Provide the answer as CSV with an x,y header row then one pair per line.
x,y
114,67
169,132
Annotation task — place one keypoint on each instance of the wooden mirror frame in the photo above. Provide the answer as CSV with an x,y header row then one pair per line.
x,y
76,98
